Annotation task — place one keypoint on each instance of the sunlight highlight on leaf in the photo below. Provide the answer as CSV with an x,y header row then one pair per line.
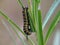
x,y
52,26
50,12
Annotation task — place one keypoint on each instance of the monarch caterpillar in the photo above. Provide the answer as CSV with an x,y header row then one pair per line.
x,y
26,26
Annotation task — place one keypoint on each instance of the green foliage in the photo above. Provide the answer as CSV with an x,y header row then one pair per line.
x,y
52,26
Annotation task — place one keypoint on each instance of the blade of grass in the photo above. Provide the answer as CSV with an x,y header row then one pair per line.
x,y
33,10
38,23
23,42
30,7
39,31
32,43
50,12
32,25
10,21
20,3
34,5
30,15
52,26
9,32
38,1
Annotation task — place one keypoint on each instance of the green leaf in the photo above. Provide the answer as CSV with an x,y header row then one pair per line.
x,y
20,3
23,41
32,24
9,31
35,6
39,30
37,22
38,1
10,21
52,27
50,12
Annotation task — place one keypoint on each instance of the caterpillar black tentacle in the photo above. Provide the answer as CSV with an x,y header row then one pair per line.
x,y
26,27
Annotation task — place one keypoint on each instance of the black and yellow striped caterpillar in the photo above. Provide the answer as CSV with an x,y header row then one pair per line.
x,y
26,27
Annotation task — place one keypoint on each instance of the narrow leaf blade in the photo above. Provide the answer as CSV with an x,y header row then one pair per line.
x,y
52,26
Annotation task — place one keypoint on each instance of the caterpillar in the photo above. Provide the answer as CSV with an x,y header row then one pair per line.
x,y
26,25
